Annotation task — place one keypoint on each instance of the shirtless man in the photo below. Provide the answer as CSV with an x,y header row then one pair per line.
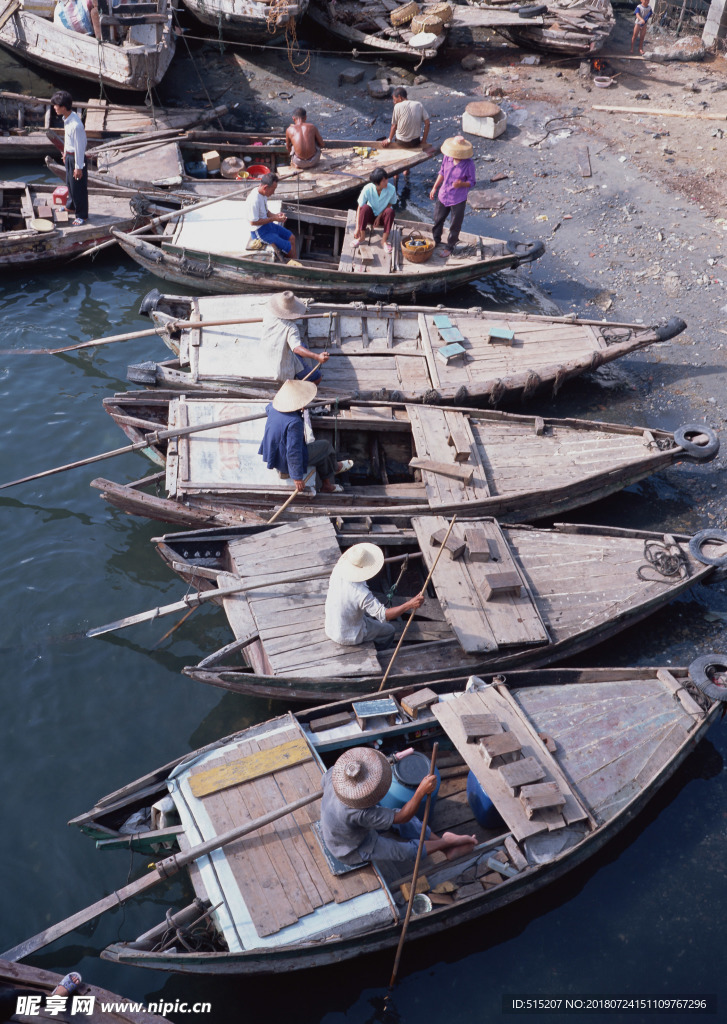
x,y
303,141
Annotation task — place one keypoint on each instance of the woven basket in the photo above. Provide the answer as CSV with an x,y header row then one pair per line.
x,y
416,248
402,15
443,11
427,23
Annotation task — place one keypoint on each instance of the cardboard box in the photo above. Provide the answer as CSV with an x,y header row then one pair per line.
x,y
212,160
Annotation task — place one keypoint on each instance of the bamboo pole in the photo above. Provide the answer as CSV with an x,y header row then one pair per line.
x,y
411,616
162,869
172,325
289,499
660,112
415,874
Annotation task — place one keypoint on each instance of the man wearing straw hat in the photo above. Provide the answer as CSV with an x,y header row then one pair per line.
x,y
352,819
283,446
353,614
281,337
456,177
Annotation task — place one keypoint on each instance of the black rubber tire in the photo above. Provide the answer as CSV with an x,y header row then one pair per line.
x,y
532,11
528,252
380,293
700,677
695,546
699,451
670,329
149,302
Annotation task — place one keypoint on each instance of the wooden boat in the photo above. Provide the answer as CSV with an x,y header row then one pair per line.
x,y
32,234
570,587
390,352
34,981
24,121
139,62
369,25
255,21
601,742
574,27
210,250
408,460
135,164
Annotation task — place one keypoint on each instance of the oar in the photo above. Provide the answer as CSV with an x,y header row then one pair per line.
x,y
150,438
162,869
415,875
289,499
192,600
422,591
171,325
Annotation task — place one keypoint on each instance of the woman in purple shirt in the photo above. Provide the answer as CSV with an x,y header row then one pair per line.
x,y
456,177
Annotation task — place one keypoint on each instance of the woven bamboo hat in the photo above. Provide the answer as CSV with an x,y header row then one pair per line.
x,y
286,306
457,147
360,562
361,777
294,395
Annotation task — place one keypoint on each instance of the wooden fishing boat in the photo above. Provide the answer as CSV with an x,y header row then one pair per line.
x,y
24,121
138,62
389,352
513,597
33,233
255,21
592,747
574,27
165,163
370,25
34,981
210,249
408,460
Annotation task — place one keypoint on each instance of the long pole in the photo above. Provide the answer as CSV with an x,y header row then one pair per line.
x,y
415,873
162,869
411,616
289,499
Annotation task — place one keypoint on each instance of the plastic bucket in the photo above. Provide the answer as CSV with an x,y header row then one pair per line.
x,y
405,777
485,812
257,170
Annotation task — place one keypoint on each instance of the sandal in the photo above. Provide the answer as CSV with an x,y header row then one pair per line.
x,y
335,489
346,464
78,222
355,243
388,246
71,982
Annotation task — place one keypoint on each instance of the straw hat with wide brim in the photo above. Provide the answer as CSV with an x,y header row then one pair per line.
x,y
457,147
361,562
361,777
294,395
286,306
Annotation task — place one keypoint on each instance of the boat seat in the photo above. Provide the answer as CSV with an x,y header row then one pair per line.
x,y
337,867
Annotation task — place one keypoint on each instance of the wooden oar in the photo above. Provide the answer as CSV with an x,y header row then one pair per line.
x,y
289,499
192,600
150,438
171,325
415,874
413,611
162,869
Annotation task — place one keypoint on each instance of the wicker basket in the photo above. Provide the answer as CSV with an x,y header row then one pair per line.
x,y
443,11
416,248
403,15
427,23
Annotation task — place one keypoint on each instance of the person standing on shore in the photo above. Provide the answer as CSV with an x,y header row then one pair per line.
x,y
74,156
643,16
454,181
303,141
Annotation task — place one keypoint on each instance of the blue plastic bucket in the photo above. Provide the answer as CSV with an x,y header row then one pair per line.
x,y
405,777
485,812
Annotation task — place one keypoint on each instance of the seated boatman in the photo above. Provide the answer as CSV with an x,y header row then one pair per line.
x,y
352,819
353,614
281,337
283,446
265,225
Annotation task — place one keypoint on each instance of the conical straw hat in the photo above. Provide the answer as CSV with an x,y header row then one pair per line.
x,y
457,147
360,562
286,306
361,777
294,395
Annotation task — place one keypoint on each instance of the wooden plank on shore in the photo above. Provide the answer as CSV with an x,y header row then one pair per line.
x,y
584,161
661,112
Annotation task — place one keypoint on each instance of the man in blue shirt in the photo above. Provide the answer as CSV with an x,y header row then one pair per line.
x,y
283,446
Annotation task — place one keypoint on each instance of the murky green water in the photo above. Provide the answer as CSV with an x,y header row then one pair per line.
x,y
82,717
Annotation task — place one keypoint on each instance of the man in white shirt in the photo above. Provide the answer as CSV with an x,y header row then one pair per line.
x,y
353,615
281,338
74,156
265,225
407,119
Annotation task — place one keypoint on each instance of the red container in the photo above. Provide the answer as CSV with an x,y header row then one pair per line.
x,y
257,170
60,195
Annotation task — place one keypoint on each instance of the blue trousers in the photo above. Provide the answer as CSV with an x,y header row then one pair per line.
x,y
276,234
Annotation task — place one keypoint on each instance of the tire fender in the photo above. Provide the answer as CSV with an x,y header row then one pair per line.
x,y
699,674
701,538
531,11
699,451
527,252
